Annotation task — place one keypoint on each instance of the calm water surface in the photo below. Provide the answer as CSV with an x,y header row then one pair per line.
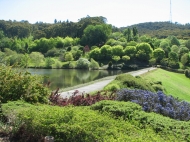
x,y
64,78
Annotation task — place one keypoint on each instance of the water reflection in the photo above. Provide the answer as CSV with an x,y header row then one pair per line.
x,y
64,78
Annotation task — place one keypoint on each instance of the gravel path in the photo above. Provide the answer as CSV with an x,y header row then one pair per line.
x,y
100,85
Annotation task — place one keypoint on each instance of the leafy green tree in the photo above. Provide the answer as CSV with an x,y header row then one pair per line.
x,y
95,54
59,42
128,34
182,51
125,58
37,58
144,51
173,57
175,48
82,63
164,62
77,54
49,62
93,64
152,61
111,42
52,52
174,40
116,35
2,58
106,51
135,34
69,56
25,60
185,58
158,54
117,50
130,51
165,45
132,43
145,38
187,44
5,42
116,58
43,45
68,41
96,35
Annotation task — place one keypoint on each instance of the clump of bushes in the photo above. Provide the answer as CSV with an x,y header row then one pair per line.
x,y
157,102
128,81
132,112
78,99
187,73
16,85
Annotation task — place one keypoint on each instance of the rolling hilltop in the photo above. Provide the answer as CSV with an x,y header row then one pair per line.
x,y
162,29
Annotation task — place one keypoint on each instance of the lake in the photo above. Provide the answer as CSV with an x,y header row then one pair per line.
x,y
64,78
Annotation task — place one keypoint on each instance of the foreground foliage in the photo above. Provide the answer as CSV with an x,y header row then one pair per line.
x,y
130,112
79,124
16,85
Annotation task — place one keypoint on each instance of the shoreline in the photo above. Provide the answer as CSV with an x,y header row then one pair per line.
x,y
99,85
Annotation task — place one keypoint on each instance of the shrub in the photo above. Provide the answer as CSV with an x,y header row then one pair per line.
x,y
16,85
131,112
94,64
157,102
128,81
112,87
82,63
187,73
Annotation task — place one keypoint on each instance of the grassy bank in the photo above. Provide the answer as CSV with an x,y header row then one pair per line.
x,y
174,84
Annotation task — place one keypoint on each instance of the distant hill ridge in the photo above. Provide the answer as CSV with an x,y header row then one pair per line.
x,y
38,30
162,29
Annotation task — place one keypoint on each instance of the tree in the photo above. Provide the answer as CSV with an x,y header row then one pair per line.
x,y
130,51
37,58
106,51
125,58
76,54
144,51
165,46
117,50
49,62
185,59
128,34
175,48
83,63
93,64
174,40
96,35
182,51
158,54
69,56
187,44
95,54
116,58
25,60
173,57
152,61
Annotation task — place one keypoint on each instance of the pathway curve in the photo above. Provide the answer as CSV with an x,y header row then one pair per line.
x,y
100,84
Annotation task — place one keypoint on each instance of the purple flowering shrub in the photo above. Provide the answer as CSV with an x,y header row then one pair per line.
x,y
157,102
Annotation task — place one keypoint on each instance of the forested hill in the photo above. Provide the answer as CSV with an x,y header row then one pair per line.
x,y
38,30
162,29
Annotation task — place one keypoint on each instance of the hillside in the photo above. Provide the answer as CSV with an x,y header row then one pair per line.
x,y
162,29
22,29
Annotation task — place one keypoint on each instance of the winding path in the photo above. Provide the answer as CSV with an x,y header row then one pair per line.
x,y
100,85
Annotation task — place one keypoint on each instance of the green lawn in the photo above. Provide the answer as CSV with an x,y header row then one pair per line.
x,y
175,84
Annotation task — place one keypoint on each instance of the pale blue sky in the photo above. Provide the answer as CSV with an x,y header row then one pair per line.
x,y
118,12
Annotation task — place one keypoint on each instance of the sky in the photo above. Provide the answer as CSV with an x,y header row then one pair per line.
x,y
119,13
